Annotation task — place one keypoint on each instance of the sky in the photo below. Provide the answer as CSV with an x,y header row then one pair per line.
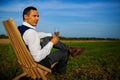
x,y
72,18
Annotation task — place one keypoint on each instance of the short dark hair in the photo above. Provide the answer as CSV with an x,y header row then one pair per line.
x,y
27,10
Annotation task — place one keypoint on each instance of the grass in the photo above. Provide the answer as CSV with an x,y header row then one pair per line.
x,y
8,63
100,61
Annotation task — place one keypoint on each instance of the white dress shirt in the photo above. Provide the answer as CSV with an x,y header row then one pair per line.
x,y
32,38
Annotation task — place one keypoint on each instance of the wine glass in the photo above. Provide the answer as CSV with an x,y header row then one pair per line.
x,y
56,31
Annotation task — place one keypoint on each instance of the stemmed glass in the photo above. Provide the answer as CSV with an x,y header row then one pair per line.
x,y
56,32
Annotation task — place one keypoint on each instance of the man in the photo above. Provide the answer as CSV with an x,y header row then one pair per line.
x,y
41,51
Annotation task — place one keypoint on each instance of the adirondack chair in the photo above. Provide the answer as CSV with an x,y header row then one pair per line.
x,y
30,67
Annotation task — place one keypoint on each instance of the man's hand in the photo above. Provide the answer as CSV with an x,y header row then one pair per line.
x,y
54,39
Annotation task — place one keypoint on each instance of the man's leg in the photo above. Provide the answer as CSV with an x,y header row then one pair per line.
x,y
62,58
57,56
59,45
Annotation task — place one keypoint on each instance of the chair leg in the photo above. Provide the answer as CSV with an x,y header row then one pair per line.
x,y
54,64
19,76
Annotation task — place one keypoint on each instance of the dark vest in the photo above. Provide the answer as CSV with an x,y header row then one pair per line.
x,y
22,29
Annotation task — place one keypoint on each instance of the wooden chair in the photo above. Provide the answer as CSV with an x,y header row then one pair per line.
x,y
29,66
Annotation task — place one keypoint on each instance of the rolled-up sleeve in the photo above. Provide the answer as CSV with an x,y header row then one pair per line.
x,y
43,35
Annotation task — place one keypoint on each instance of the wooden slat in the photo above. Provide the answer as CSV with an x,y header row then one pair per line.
x,y
21,75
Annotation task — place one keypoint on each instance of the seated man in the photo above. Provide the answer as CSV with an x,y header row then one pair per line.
x,y
41,51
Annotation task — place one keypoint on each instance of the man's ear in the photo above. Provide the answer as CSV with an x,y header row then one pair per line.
x,y
25,17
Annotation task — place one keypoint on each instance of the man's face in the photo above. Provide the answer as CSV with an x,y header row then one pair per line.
x,y
32,17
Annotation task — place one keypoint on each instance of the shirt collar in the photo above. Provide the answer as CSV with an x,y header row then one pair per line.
x,y
28,25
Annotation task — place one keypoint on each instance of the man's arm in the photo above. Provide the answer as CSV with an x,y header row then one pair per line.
x,y
43,35
32,39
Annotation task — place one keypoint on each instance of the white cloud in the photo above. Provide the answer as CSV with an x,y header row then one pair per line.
x,y
51,8
18,6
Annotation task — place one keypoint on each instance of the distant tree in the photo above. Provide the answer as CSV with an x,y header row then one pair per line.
x,y
86,38
3,36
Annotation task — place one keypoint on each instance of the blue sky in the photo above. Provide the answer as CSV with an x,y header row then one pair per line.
x,y
73,18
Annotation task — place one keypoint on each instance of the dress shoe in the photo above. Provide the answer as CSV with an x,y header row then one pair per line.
x,y
75,51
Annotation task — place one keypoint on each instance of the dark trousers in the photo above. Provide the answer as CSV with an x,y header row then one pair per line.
x,y
60,55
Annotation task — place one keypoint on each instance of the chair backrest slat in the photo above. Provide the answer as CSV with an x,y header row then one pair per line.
x,y
16,40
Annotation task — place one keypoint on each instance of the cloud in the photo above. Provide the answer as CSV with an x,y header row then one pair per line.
x,y
57,8
53,5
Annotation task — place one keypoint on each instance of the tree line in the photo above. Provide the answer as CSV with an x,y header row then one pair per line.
x,y
87,38
3,36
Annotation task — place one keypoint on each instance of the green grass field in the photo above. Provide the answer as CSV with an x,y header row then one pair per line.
x,y
100,61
